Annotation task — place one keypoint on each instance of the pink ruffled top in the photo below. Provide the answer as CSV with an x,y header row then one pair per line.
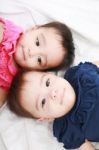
x,y
7,48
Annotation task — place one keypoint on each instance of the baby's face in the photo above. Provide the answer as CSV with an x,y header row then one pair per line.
x,y
46,96
39,48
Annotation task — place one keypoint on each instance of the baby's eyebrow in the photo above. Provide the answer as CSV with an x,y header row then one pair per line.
x,y
43,38
42,78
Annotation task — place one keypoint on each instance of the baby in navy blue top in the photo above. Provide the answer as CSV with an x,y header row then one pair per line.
x,y
73,103
82,122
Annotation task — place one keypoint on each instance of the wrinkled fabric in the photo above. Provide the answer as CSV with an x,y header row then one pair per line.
x,y
7,48
82,122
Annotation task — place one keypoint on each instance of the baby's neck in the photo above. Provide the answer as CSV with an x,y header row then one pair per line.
x,y
3,95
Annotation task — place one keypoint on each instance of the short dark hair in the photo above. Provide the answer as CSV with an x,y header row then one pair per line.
x,y
13,97
67,43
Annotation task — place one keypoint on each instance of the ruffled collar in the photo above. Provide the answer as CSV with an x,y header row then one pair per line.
x,y
11,35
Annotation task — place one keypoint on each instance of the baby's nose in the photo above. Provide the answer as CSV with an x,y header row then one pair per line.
x,y
53,94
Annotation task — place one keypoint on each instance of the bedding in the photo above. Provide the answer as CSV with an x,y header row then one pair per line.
x,y
18,133
82,17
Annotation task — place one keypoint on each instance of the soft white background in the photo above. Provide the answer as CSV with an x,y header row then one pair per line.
x,y
83,19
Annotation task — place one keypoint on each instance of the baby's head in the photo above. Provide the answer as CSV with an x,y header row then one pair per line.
x,y
41,95
45,46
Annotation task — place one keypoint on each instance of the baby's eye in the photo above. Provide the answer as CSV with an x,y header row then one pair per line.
x,y
39,60
48,82
37,42
43,102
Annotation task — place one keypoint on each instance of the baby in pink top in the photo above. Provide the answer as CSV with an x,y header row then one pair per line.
x,y
40,47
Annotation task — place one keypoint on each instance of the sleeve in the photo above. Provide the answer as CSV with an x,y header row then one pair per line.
x,y
71,135
87,67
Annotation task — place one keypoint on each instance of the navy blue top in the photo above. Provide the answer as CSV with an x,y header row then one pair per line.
x,y
82,122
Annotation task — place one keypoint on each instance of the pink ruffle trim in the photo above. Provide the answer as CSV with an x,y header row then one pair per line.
x,y
7,48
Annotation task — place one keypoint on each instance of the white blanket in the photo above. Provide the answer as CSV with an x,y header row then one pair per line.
x,y
83,18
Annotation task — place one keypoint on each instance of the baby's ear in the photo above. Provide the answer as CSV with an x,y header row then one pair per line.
x,y
50,119
35,27
46,119
41,119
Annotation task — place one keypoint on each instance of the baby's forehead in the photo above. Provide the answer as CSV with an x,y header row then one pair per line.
x,y
52,30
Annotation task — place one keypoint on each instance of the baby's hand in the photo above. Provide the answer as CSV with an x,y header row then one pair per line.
x,y
3,95
86,146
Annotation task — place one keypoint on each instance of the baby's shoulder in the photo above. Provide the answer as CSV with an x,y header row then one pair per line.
x,y
82,68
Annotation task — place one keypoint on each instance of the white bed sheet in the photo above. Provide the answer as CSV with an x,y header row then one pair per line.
x,y
25,134
83,18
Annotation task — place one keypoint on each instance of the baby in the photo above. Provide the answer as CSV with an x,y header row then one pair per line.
x,y
72,103
40,47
